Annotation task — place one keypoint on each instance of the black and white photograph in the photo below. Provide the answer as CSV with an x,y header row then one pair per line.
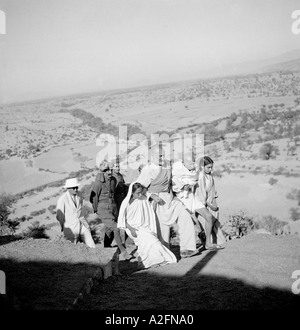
x,y
149,157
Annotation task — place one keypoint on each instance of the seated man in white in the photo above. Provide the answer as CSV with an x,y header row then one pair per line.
x,y
184,180
156,177
68,213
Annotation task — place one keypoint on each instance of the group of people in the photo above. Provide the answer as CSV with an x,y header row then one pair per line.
x,y
163,194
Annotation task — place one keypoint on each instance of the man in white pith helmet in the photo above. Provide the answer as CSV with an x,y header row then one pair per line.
x,y
68,213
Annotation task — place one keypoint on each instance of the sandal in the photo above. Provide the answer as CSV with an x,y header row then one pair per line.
x,y
215,247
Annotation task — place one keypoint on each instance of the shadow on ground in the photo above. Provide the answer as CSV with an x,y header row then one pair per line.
x,y
43,285
7,239
54,286
144,290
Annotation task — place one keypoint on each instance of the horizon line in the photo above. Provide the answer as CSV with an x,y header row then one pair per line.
x,y
207,76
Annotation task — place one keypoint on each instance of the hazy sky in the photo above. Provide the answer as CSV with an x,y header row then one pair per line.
x,y
59,47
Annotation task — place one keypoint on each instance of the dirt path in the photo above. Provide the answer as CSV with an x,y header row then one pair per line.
x,y
254,272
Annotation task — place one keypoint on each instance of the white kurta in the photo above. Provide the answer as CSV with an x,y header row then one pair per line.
x,y
140,215
206,192
180,177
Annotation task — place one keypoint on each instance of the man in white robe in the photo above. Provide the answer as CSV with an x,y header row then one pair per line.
x,y
168,208
68,213
184,181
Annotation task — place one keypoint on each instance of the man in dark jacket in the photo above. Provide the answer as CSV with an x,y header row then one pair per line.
x,y
102,199
120,194
121,188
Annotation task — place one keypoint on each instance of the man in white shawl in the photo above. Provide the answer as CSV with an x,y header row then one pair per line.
x,y
156,177
137,217
184,182
68,214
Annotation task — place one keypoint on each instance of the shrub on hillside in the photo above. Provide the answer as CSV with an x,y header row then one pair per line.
x,y
238,225
272,181
7,226
35,231
6,202
294,194
295,214
267,151
23,218
270,223
52,209
36,213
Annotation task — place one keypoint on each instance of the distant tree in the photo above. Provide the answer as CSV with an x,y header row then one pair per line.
x,y
8,152
257,124
272,181
263,116
280,130
226,146
295,214
232,118
291,151
239,143
296,130
295,195
266,151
